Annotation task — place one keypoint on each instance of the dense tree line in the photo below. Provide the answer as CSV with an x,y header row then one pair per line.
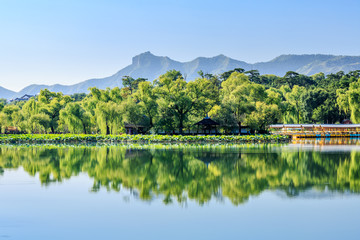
x,y
171,104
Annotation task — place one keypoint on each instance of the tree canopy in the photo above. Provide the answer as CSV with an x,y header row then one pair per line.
x,y
171,104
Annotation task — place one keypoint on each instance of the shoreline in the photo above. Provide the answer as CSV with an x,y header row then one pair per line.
x,y
125,138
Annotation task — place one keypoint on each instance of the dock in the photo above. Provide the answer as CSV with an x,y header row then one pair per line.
x,y
317,130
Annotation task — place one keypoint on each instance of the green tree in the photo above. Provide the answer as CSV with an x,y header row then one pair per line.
x,y
263,116
174,98
178,98
10,111
3,122
296,100
132,113
41,119
76,118
50,103
254,76
131,83
239,96
108,117
349,101
225,75
147,97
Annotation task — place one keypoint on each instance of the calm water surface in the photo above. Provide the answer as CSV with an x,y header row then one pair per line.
x,y
302,190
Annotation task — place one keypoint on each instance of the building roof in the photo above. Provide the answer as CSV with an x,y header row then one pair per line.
x,y
315,126
23,98
207,122
131,125
346,121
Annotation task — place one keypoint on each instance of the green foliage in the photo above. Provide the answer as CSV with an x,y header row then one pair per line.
x,y
75,118
92,138
295,98
239,97
41,122
177,98
131,83
263,116
3,122
147,97
1,106
349,101
77,97
3,102
171,104
10,112
133,114
108,117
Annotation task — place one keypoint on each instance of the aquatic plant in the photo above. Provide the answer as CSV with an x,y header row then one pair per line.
x,y
89,138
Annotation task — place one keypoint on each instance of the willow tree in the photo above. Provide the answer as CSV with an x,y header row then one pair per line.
x,y
296,100
104,105
146,97
107,95
3,119
50,103
41,122
239,96
30,108
349,101
108,117
75,118
132,113
10,111
263,116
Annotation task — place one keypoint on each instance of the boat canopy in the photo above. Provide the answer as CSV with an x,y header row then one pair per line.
x,y
315,126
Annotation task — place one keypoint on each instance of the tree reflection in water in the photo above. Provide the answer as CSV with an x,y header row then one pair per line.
x,y
198,172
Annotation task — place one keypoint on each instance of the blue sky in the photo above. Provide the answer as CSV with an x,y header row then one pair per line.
x,y
68,41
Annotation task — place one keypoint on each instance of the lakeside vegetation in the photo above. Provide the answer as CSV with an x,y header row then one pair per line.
x,y
91,138
197,172
171,105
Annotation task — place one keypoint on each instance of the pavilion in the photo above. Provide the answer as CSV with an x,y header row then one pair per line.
x,y
131,128
208,126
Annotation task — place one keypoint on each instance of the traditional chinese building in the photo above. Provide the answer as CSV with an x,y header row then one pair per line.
x,y
207,125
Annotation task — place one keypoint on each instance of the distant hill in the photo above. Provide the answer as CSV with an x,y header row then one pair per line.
x,y
6,93
149,66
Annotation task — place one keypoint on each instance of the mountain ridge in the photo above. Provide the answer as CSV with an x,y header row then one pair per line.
x,y
149,66
6,93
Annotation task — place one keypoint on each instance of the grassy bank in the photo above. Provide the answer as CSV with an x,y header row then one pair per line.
x,y
82,138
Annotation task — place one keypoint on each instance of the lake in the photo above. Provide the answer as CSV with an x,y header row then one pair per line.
x,y
301,190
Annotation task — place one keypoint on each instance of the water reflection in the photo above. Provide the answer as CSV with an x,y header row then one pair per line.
x,y
328,141
199,172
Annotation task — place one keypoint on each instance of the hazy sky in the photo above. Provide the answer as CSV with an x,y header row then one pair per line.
x,y
68,41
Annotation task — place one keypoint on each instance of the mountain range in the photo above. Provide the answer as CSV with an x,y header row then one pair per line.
x,y
147,65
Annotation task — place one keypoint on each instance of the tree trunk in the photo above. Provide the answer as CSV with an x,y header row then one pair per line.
x,y
107,130
151,122
181,122
84,127
239,123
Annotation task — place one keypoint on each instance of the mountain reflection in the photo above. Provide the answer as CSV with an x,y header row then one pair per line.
x,y
191,172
